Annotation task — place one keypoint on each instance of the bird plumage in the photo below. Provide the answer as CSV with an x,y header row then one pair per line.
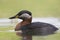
x,y
30,28
38,28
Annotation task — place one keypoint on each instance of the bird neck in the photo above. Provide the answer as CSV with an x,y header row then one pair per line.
x,y
27,21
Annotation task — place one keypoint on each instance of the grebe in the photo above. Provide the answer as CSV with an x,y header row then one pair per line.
x,y
30,28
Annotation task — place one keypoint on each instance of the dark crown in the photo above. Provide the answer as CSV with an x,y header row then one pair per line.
x,y
24,11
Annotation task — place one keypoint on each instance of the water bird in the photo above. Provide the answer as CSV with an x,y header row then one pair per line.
x,y
29,28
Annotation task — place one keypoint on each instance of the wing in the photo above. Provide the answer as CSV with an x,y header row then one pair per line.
x,y
38,28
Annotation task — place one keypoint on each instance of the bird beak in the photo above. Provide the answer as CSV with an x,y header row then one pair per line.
x,y
14,17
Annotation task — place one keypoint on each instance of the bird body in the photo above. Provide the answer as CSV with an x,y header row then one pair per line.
x,y
30,28
38,28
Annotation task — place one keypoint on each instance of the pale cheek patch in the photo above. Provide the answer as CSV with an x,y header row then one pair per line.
x,y
26,15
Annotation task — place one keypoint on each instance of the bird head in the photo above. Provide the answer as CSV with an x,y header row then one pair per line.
x,y
24,14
